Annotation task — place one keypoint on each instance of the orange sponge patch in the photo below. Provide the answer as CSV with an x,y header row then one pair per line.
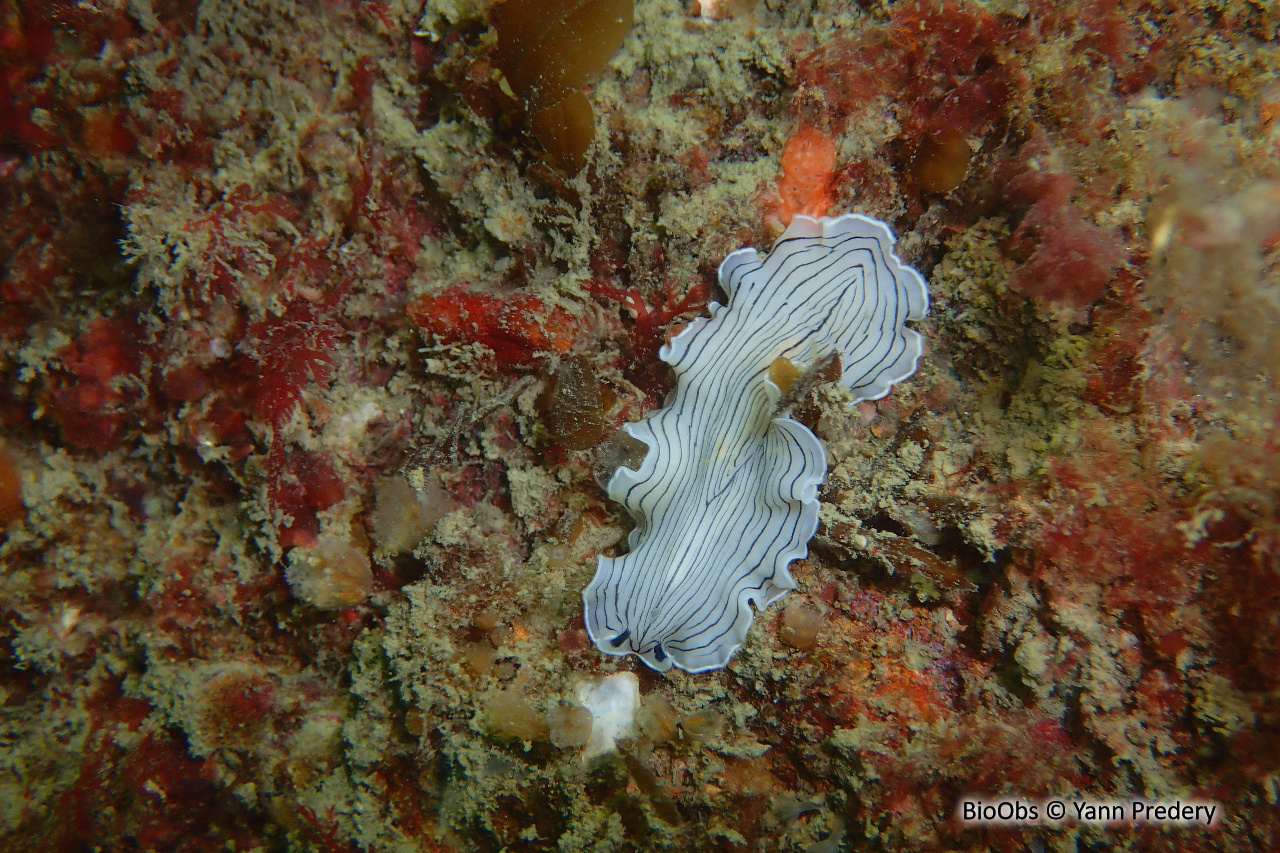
x,y
808,171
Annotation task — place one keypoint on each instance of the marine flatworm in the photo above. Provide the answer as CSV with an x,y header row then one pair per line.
x,y
726,496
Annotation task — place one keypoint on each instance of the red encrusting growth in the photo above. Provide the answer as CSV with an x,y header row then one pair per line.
x,y
106,132
1073,259
520,329
231,245
649,332
282,356
185,384
940,63
1117,382
176,137
142,784
37,117
1122,547
26,44
306,483
99,385
10,488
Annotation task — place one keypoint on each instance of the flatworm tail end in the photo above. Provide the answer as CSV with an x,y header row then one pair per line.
x,y
698,623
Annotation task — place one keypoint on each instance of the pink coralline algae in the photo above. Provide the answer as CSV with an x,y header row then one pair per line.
x,y
1071,260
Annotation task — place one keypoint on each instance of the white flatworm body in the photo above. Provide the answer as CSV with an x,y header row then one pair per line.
x,y
726,496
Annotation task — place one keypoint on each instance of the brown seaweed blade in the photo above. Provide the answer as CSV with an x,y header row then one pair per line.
x,y
548,52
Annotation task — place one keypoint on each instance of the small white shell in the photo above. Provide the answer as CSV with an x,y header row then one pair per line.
x,y
726,497
613,702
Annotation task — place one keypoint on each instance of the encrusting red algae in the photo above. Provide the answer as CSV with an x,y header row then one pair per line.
x,y
315,343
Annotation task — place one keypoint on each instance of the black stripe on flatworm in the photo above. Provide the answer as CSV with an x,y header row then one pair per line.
x,y
620,639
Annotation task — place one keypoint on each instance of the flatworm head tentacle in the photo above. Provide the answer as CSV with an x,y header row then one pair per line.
x,y
726,496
